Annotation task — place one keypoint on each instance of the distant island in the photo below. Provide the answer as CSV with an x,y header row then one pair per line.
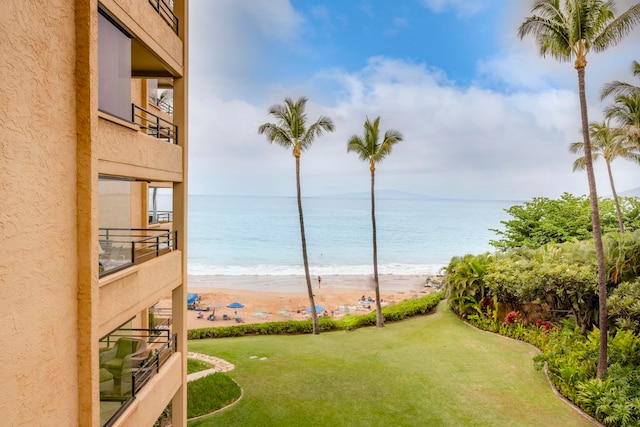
x,y
382,194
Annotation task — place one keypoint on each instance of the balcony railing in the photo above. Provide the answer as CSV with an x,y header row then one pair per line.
x,y
162,104
137,370
154,125
123,247
151,366
165,9
160,216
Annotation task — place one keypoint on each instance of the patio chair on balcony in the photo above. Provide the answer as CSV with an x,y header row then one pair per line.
x,y
106,381
143,371
125,354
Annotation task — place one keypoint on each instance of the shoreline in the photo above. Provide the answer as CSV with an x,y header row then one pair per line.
x,y
293,283
281,298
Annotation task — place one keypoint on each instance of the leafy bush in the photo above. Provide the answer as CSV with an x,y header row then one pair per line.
x,y
614,400
624,305
544,220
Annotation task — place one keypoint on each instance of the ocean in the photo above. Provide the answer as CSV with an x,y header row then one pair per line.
x,y
261,235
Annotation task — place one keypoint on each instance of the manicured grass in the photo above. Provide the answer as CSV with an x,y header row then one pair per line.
x,y
209,393
430,370
194,365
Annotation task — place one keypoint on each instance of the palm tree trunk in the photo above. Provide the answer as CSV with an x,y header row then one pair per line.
x,y
615,198
597,231
379,317
155,205
312,303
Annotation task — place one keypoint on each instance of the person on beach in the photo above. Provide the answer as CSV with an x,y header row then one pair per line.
x,y
319,280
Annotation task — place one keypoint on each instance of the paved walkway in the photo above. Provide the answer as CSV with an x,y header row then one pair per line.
x,y
219,365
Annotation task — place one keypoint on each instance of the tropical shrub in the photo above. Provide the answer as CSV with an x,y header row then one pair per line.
x,y
464,282
615,399
624,305
542,220
622,256
570,358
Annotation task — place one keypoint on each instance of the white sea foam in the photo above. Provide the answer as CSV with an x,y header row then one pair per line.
x,y
323,270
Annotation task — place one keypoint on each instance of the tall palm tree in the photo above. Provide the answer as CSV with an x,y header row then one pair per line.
x,y
290,131
570,29
370,149
608,143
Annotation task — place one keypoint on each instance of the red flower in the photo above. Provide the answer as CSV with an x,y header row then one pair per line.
x,y
544,324
512,317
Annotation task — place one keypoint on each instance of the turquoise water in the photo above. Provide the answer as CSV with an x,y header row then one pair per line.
x,y
261,235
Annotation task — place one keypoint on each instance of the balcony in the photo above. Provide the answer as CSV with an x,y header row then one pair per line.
x,y
161,104
160,217
154,125
121,248
165,10
129,359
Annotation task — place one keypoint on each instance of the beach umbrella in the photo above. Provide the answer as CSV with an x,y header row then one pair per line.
x,y
318,308
216,304
235,304
192,299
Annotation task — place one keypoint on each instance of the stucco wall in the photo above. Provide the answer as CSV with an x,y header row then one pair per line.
x,y
155,395
123,151
38,263
50,139
149,28
125,294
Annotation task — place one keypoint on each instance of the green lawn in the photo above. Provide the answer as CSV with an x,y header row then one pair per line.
x,y
427,371
194,365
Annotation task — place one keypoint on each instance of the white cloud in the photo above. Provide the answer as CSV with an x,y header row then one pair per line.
x,y
508,142
232,41
459,142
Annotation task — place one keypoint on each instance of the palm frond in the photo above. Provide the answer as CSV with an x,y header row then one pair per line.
x,y
616,28
323,124
289,129
369,147
357,145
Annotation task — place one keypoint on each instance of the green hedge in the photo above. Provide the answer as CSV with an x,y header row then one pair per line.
x,y
402,310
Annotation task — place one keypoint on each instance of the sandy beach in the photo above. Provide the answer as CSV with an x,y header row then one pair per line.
x,y
276,298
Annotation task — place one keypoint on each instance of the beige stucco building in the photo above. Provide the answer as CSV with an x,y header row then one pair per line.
x,y
93,102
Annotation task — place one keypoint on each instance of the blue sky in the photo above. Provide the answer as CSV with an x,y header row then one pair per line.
x,y
482,114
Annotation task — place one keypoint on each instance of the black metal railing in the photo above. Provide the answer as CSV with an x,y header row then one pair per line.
x,y
124,247
162,104
152,365
154,125
160,345
160,216
162,318
165,9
